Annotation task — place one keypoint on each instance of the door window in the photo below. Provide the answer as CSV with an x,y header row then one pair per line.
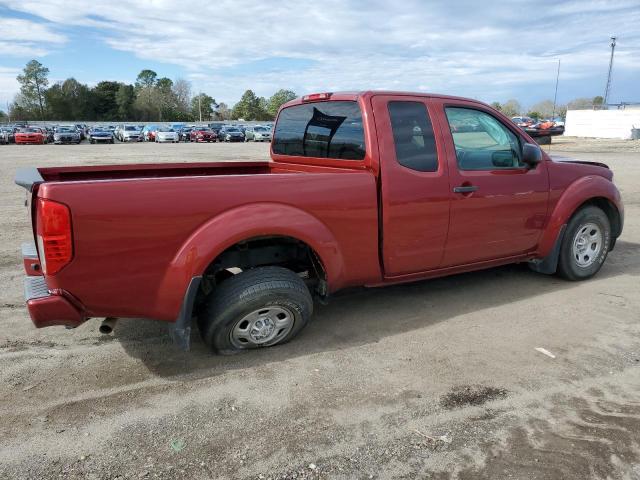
x,y
413,136
481,141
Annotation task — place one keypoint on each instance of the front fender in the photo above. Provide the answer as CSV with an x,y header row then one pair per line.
x,y
580,191
242,223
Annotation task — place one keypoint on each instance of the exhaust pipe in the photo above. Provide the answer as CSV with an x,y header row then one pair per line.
x,y
107,325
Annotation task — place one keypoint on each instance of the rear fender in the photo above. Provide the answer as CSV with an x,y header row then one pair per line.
x,y
578,193
239,224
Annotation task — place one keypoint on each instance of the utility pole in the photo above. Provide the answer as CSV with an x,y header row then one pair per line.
x,y
555,95
608,88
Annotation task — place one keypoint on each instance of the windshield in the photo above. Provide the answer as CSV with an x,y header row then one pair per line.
x,y
30,130
260,129
235,130
131,128
165,130
65,130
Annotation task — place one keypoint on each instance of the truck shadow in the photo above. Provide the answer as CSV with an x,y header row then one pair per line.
x,y
363,316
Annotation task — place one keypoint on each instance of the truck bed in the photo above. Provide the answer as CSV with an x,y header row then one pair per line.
x,y
132,222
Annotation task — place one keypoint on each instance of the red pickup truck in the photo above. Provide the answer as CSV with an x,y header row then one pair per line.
x,y
369,188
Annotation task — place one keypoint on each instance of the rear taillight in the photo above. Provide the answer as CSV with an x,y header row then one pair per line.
x,y
53,231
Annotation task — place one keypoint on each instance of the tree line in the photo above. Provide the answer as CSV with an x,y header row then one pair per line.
x,y
149,98
153,98
546,108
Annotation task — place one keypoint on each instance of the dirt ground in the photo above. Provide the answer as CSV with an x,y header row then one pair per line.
x,y
438,379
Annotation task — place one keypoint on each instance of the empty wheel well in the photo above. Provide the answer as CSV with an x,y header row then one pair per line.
x,y
610,210
280,251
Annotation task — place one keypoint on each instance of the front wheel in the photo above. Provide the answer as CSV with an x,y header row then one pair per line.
x,y
257,308
585,244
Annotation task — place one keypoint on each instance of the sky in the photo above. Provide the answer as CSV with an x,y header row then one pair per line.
x,y
489,50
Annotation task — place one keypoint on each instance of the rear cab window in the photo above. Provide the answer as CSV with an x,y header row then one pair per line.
x,y
331,129
413,136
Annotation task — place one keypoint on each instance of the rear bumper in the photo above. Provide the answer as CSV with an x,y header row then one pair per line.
x,y
47,309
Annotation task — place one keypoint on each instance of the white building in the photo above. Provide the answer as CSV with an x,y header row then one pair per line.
x,y
602,123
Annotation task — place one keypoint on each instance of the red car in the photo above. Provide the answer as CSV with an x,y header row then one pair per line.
x,y
203,134
371,188
30,135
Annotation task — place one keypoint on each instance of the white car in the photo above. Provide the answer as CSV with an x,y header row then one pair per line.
x,y
167,135
257,134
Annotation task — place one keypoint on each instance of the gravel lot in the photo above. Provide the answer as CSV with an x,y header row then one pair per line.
x,y
437,379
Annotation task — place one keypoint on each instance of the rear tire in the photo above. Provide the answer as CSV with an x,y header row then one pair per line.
x,y
585,244
257,308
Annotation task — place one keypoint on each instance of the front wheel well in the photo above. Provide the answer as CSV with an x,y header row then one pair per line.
x,y
281,251
610,210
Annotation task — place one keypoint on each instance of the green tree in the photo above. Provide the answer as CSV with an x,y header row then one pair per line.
x,y
145,94
105,104
598,101
70,100
125,98
250,107
17,109
33,83
535,115
497,106
3,116
202,106
511,108
278,99
146,79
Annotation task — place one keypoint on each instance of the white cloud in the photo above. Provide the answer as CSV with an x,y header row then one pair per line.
x,y
492,52
8,85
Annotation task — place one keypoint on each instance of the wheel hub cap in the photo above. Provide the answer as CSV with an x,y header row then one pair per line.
x,y
263,327
587,244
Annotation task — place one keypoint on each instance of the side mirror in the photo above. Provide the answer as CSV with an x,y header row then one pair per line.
x,y
531,155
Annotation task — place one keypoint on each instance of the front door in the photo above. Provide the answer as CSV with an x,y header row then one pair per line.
x,y
415,189
498,204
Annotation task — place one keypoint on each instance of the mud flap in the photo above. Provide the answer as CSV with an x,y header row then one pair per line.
x,y
180,330
549,264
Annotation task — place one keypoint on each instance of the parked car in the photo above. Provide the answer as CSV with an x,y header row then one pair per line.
x,y
166,135
48,134
30,135
203,134
130,133
66,134
4,136
230,134
82,130
101,134
185,134
523,121
245,246
149,133
10,131
257,134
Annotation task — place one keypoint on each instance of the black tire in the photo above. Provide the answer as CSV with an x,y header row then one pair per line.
x,y
248,292
568,266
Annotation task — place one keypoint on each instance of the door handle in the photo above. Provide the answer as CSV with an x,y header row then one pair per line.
x,y
465,189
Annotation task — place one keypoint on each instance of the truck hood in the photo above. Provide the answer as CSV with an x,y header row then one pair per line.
x,y
594,168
